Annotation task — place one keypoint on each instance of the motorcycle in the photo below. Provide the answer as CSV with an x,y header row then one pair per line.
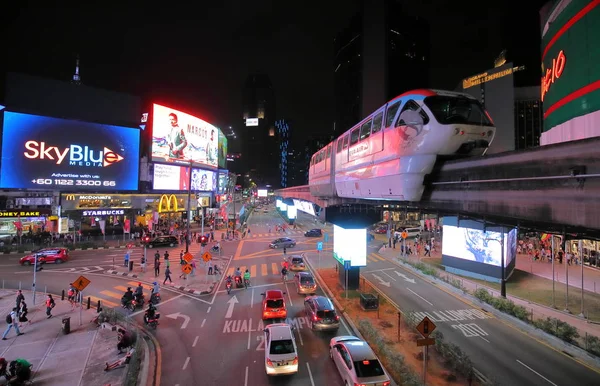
x,y
127,304
154,321
155,298
238,282
215,249
246,283
137,302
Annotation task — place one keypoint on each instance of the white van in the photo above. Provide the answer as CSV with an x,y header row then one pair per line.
x,y
412,233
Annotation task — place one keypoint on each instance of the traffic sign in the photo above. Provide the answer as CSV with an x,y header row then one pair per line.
x,y
206,256
130,245
188,257
404,234
425,342
346,265
426,327
81,283
319,246
326,237
186,268
230,223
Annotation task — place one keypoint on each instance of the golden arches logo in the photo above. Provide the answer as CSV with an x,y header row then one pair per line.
x,y
70,197
167,203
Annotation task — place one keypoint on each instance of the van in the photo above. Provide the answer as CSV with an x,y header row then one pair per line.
x,y
412,233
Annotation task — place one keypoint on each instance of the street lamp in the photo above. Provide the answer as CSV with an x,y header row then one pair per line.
x,y
502,269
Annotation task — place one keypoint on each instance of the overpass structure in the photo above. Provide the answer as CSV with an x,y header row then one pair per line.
x,y
552,188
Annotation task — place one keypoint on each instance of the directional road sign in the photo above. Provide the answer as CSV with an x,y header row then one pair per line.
x,y
426,327
320,246
81,283
425,342
206,256
188,257
186,268
346,265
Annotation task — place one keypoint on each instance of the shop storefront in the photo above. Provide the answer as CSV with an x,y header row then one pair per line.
x,y
28,221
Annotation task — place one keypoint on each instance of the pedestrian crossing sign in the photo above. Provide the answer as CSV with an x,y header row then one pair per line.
x,y
81,283
188,257
186,268
206,256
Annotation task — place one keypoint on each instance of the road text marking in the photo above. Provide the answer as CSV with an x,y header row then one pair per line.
x,y
452,315
247,325
471,330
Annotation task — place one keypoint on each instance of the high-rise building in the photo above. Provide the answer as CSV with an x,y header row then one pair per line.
x,y
528,117
259,141
382,52
283,139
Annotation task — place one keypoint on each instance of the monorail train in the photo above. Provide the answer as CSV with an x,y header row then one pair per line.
x,y
388,153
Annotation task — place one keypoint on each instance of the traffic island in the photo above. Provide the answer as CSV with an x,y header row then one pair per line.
x,y
394,337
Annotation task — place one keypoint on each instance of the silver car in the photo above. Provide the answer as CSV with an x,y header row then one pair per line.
x,y
281,353
356,362
283,242
305,283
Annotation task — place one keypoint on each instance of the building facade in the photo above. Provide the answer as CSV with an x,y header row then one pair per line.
x,y
283,140
528,117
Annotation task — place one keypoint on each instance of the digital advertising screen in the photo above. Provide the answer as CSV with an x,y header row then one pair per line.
x,y
222,150
172,177
350,244
292,212
223,180
304,206
262,192
179,138
41,152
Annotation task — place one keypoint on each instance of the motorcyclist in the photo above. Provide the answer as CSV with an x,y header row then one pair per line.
x,y
247,277
150,313
139,292
155,290
238,273
127,297
229,279
284,272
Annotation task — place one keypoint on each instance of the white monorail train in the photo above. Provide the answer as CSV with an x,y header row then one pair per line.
x,y
388,154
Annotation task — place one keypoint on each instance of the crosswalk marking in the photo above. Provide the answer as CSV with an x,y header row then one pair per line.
x,y
103,302
263,269
120,288
274,268
111,294
145,286
230,271
253,271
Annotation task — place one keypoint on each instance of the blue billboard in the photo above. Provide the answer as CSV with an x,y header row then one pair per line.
x,y
51,153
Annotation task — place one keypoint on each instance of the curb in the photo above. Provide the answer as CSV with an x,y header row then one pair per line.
x,y
568,349
149,374
180,288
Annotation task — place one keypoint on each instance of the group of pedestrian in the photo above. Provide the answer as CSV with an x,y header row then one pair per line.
x,y
17,316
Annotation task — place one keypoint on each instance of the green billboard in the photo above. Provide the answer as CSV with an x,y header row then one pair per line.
x,y
222,150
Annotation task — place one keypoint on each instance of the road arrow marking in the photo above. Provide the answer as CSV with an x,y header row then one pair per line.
x,y
385,283
405,277
186,319
232,302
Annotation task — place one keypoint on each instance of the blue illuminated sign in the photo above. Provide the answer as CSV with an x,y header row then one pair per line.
x,y
320,246
59,154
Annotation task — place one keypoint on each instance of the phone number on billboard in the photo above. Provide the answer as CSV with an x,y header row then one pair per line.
x,y
69,182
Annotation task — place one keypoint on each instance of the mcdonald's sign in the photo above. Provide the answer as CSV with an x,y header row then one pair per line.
x,y
167,203
70,197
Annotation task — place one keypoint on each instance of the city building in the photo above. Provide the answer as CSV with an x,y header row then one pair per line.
x,y
259,140
381,53
528,117
283,140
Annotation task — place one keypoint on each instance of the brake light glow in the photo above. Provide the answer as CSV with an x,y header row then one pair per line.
x,y
269,362
386,383
337,317
315,318
366,363
295,361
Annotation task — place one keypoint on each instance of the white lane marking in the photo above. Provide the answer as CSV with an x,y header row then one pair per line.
x,y
249,336
379,270
252,298
535,372
196,339
202,325
485,339
312,382
186,363
208,310
300,337
157,306
388,275
425,300
288,294
246,377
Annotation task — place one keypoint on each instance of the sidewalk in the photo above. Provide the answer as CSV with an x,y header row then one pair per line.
x,y
591,276
539,311
61,360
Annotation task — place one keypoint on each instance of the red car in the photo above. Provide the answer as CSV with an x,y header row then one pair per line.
x,y
273,305
46,255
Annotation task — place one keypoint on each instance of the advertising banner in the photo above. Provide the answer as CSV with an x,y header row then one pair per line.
x,y
58,154
222,150
171,177
102,225
127,226
180,138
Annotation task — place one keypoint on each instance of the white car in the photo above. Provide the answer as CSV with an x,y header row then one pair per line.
x,y
356,362
281,353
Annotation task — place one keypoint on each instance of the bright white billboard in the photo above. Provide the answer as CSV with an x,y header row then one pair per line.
x,y
172,177
350,244
251,121
292,212
478,246
262,192
305,207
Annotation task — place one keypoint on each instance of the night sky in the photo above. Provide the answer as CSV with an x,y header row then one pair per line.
x,y
197,57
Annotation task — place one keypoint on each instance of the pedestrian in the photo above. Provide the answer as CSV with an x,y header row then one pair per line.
x,y
20,298
284,251
12,320
210,267
167,276
23,311
126,260
156,268
143,263
49,306
181,261
212,236
193,263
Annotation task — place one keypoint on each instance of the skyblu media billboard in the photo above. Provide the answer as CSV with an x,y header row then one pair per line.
x,y
41,152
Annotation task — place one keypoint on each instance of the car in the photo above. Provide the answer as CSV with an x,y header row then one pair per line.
x,y
305,283
411,233
297,263
46,255
273,305
356,362
381,230
314,233
281,352
321,313
283,242
162,241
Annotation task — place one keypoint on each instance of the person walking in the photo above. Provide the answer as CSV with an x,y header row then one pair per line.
x,y
181,261
23,311
12,320
193,264
49,306
284,251
20,298
167,275
143,263
210,267
126,260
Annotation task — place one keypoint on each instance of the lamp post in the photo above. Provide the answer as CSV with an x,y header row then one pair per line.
x,y
502,269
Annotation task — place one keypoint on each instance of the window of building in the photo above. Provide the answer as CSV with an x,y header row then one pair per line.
x,y
354,136
391,113
365,130
377,123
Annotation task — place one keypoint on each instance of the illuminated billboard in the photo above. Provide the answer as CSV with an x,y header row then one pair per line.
x,y
262,192
179,138
251,121
223,181
222,150
350,244
469,249
50,153
292,212
570,77
305,206
172,177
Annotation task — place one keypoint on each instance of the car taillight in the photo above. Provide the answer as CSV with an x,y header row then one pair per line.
x,y
386,383
269,362
295,361
315,318
337,317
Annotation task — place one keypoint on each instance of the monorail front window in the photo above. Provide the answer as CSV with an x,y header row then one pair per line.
x,y
391,114
451,109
